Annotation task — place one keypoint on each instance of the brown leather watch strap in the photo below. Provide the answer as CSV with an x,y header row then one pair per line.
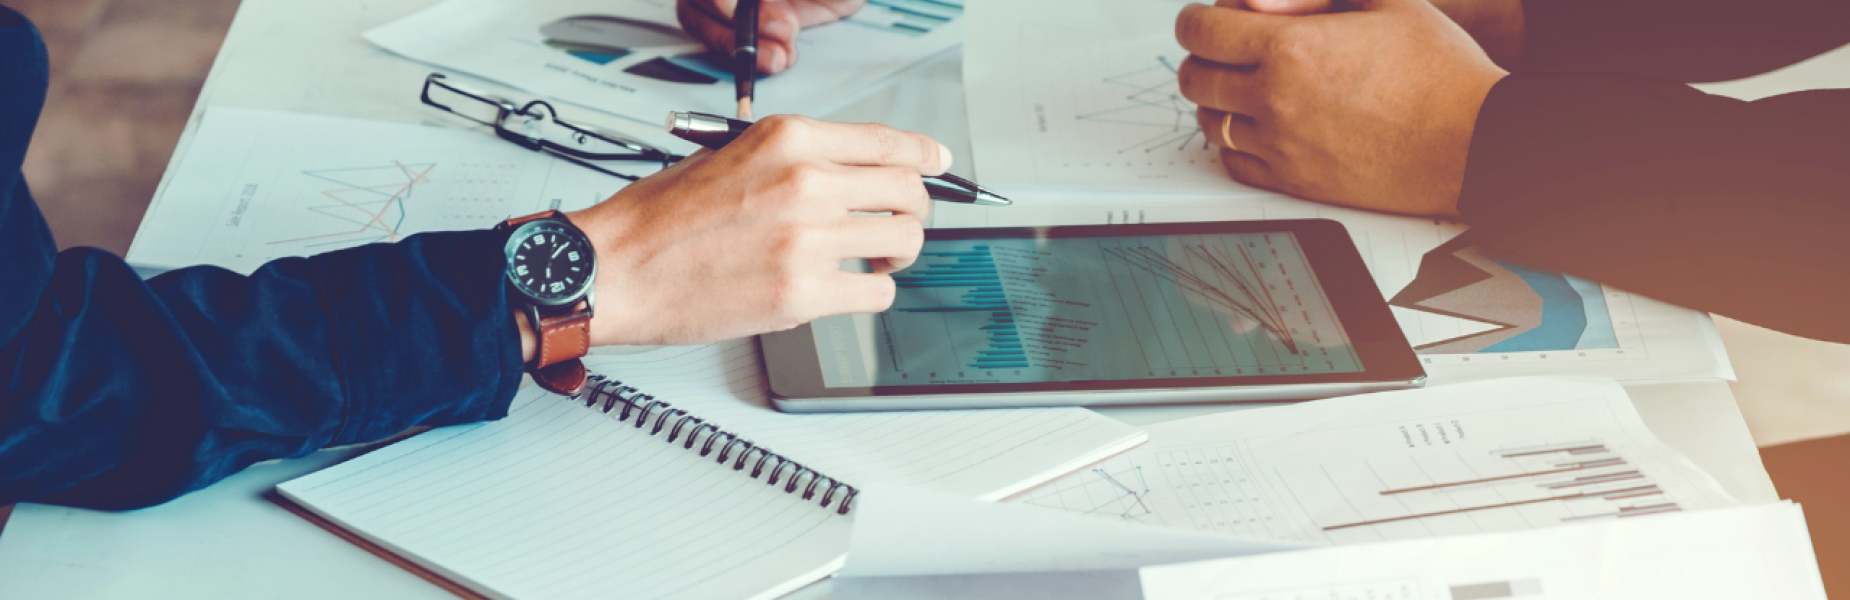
x,y
563,339
516,221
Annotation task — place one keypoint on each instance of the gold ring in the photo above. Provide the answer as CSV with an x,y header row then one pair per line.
x,y
1226,131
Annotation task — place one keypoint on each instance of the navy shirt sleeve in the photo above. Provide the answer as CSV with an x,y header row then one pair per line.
x,y
119,393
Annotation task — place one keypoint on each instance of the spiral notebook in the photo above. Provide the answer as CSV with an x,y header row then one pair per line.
x,y
672,478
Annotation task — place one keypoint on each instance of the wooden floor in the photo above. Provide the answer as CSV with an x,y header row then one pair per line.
x,y
125,75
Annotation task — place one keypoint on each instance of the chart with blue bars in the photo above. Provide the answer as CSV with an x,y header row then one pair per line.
x,y
974,273
1072,309
907,17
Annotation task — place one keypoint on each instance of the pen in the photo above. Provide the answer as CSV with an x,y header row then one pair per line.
x,y
714,132
745,54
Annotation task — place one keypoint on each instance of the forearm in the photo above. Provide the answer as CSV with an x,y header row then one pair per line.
x,y
1680,40
1724,206
124,394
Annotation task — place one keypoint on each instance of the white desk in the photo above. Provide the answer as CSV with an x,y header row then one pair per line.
x,y
228,542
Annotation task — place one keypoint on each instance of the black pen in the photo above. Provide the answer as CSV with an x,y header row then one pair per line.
x,y
745,54
714,132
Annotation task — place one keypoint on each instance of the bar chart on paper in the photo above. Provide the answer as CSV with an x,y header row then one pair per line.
x,y
1011,310
1472,463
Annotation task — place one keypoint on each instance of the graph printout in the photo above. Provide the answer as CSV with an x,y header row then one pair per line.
x,y
631,57
259,185
1106,114
1067,309
1470,458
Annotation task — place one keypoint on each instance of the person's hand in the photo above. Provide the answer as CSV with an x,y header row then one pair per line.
x,y
778,22
1497,25
751,238
1371,108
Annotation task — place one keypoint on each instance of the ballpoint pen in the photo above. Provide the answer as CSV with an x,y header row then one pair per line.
x,y
745,54
714,132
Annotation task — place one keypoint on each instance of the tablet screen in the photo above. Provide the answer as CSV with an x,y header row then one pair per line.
x,y
1028,310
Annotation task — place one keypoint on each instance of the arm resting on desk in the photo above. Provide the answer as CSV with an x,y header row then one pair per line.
x,y
1681,40
1737,208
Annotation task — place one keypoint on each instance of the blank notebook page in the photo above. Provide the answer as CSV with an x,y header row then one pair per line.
x,y
562,501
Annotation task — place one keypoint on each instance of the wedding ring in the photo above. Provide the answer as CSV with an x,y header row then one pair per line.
x,y
1226,131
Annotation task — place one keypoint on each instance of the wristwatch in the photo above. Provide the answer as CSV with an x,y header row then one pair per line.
x,y
550,269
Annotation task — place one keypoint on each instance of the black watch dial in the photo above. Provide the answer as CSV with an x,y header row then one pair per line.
x,y
550,262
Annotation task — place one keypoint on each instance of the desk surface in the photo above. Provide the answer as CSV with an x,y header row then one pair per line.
x,y
227,541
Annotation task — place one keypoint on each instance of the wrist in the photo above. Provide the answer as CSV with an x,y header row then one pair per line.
x,y
1499,28
528,340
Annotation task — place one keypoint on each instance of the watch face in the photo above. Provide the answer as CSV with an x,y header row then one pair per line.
x,y
550,262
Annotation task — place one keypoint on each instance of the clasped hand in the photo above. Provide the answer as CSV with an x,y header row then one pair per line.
x,y
1372,108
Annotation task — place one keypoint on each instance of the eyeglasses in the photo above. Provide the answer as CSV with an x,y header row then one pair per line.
x,y
536,126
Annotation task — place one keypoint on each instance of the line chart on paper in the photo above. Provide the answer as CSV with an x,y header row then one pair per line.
x,y
369,203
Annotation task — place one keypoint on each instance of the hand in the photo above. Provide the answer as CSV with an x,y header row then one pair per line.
x,y
1372,108
751,238
778,23
1497,25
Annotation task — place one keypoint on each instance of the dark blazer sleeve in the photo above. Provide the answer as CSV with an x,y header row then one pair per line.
x,y
1737,208
119,393
1680,40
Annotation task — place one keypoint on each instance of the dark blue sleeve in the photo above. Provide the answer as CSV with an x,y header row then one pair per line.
x,y
117,393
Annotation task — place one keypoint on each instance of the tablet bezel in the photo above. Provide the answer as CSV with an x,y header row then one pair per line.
x,y
794,368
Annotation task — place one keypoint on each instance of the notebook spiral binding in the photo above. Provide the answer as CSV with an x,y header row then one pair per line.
x,y
611,394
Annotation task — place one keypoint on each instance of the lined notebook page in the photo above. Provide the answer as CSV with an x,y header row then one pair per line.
x,y
561,501
977,453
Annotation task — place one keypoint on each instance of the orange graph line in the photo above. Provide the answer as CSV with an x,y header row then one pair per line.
x,y
378,216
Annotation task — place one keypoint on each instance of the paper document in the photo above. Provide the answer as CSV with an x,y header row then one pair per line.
x,y
1760,551
631,58
1481,457
1470,317
260,185
1083,95
915,543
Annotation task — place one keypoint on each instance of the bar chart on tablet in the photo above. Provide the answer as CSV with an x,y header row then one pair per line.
x,y
1014,310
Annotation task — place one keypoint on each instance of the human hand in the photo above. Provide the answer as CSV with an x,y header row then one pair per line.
x,y
751,238
1372,108
1497,25
778,23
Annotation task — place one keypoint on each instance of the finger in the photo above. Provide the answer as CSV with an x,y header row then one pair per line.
x,y
898,190
1222,87
1282,7
894,240
817,12
1250,170
1232,131
857,293
707,22
854,144
1227,35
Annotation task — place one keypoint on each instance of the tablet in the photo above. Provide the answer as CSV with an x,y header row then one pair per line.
x,y
1247,311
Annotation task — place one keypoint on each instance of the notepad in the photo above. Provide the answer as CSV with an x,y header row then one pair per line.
x,y
565,500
